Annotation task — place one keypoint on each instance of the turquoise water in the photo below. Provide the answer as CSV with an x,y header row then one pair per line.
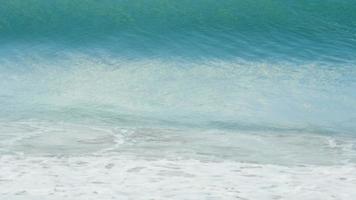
x,y
266,85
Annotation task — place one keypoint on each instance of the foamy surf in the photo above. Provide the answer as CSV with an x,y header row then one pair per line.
x,y
121,177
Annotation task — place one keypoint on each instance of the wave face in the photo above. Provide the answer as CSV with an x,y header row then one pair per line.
x,y
109,16
234,64
314,30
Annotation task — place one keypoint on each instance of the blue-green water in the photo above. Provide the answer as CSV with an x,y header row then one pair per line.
x,y
266,82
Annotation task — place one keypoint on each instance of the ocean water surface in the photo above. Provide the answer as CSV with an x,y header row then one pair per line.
x,y
166,99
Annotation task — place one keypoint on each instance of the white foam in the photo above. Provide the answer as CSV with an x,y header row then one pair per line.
x,y
123,177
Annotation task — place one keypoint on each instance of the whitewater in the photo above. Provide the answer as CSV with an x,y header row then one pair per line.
x,y
165,99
